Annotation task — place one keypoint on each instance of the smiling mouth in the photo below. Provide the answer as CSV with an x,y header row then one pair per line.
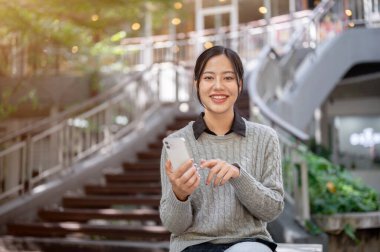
x,y
218,98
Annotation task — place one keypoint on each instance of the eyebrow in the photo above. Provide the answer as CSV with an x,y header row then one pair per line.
x,y
209,72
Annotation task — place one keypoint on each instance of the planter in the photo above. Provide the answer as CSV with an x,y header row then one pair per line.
x,y
367,227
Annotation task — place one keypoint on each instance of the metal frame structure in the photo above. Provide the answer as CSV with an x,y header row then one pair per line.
x,y
78,133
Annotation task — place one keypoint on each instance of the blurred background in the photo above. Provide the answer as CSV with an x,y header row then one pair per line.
x,y
89,88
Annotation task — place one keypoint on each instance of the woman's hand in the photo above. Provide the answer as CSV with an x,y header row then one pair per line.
x,y
221,170
184,180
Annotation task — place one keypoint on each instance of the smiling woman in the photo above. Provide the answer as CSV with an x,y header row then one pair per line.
x,y
218,89
224,206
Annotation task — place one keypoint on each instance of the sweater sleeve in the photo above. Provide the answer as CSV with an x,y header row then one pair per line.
x,y
175,215
264,199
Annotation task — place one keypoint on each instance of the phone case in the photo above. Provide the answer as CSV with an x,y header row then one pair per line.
x,y
177,151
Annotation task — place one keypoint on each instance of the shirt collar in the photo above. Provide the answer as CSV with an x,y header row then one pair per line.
x,y
238,126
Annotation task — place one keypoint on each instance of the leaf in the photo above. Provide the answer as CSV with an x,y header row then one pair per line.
x,y
312,228
351,232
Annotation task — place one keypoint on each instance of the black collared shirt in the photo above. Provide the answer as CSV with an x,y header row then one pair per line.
x,y
238,126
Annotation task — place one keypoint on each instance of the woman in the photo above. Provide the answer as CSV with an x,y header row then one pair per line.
x,y
224,205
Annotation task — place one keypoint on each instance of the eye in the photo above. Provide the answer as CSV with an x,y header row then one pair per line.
x,y
208,77
229,78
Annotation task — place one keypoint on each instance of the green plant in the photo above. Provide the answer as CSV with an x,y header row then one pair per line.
x,y
351,232
333,190
312,228
51,36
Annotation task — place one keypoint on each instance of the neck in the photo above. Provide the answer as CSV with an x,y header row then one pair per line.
x,y
220,124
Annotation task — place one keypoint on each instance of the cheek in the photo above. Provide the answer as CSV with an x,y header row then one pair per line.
x,y
204,88
234,89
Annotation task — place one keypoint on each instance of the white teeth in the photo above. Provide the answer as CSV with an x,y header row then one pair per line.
x,y
218,97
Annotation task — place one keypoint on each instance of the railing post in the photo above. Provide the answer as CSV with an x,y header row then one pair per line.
x,y
107,124
176,83
305,214
61,146
301,188
29,163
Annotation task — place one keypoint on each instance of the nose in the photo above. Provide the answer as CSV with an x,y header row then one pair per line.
x,y
218,83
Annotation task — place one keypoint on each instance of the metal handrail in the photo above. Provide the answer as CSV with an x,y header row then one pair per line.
x,y
78,132
74,109
135,47
55,145
263,107
290,136
267,53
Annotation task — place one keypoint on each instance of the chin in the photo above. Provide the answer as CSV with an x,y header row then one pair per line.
x,y
218,110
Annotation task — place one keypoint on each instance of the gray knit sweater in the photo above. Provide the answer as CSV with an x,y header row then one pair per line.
x,y
241,207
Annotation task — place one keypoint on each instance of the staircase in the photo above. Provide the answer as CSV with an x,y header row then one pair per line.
x,y
118,213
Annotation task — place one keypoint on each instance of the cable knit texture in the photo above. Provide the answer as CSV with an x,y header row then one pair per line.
x,y
240,208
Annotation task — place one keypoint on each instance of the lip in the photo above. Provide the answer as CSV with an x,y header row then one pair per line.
x,y
219,98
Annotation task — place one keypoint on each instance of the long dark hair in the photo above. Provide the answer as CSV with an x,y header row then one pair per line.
x,y
215,51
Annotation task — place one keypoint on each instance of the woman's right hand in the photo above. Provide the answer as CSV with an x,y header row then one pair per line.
x,y
184,180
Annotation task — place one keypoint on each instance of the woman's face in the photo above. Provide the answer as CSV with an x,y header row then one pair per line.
x,y
218,88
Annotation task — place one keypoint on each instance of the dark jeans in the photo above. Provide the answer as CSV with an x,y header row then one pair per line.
x,y
211,247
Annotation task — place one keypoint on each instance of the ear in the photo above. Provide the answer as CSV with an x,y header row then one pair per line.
x,y
240,86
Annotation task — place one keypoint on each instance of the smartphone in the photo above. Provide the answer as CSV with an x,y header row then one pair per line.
x,y
177,151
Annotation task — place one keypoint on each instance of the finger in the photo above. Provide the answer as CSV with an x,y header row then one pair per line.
x,y
227,177
220,175
187,175
191,181
214,170
168,168
183,168
208,163
196,183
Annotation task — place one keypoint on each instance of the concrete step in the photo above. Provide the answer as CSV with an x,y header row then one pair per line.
x,y
9,243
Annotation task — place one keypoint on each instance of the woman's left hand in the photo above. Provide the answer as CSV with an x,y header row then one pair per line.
x,y
221,170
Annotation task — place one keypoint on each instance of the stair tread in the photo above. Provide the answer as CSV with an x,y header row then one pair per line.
x,y
65,228
155,145
122,189
136,171
64,244
142,165
150,154
91,201
90,214
121,177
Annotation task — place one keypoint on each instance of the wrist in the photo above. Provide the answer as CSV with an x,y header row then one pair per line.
x,y
180,196
237,166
